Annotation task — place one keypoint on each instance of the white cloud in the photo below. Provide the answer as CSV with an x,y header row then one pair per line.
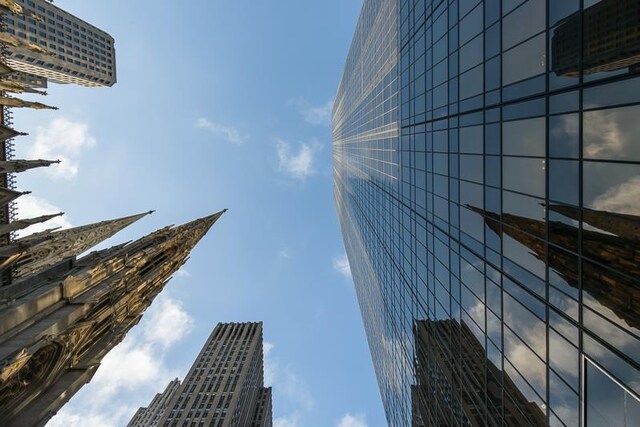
x,y
168,324
182,273
316,115
284,254
108,418
134,368
292,420
64,140
341,265
603,135
294,388
229,133
352,421
297,165
287,387
30,207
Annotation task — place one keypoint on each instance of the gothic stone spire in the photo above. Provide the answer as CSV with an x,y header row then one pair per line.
x,y
24,223
32,257
55,331
17,87
13,166
21,103
8,133
7,195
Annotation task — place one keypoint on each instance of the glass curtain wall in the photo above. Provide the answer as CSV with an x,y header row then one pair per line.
x,y
487,181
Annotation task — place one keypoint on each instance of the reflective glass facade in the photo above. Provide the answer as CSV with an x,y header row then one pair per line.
x,y
487,181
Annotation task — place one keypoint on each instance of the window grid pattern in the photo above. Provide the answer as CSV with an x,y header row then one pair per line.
x,y
80,53
497,268
224,387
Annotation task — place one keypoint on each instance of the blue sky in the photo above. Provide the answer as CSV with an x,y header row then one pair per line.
x,y
219,104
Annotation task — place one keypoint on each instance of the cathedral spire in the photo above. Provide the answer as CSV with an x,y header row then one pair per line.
x,y
192,231
13,166
21,103
7,195
76,313
37,254
24,223
17,87
8,133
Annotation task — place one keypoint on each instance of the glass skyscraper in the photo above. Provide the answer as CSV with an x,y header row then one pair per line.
x,y
487,182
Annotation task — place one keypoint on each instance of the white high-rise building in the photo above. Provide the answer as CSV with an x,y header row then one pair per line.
x,y
81,53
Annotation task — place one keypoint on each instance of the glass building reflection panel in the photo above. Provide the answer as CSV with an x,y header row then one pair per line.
x,y
487,182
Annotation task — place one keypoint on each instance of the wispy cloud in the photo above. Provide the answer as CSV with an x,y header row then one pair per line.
x,y
314,114
297,165
183,273
64,140
133,367
291,420
284,254
341,265
287,386
228,133
352,421
30,207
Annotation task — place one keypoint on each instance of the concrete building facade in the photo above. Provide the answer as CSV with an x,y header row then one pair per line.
x,y
150,416
224,387
79,53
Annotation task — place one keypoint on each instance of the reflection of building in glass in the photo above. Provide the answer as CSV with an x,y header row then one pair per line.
x,y
224,386
449,359
446,105
621,252
611,39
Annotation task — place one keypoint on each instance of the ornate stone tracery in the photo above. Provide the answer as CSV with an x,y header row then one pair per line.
x,y
100,298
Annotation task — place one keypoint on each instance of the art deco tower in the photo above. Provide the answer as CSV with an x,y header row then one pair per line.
x,y
224,387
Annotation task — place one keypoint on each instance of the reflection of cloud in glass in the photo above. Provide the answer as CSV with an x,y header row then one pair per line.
x,y
563,135
603,137
609,134
624,198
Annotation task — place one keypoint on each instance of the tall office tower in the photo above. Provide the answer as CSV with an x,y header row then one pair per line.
x,y
75,51
61,317
486,181
150,416
224,387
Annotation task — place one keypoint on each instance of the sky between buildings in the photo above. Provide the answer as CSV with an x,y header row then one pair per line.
x,y
219,104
